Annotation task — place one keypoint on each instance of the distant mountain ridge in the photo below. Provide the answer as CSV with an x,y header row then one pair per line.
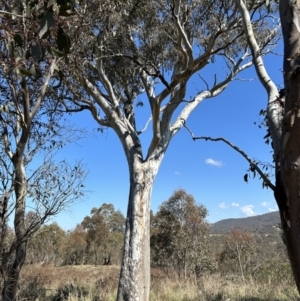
x,y
267,222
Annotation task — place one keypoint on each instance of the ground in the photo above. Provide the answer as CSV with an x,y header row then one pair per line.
x,y
99,283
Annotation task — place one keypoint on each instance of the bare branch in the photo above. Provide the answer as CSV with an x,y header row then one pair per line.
x,y
156,126
89,105
187,51
94,92
255,49
43,90
147,84
107,84
214,91
240,151
12,14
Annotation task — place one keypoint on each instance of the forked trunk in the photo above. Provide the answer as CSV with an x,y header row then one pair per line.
x,y
134,283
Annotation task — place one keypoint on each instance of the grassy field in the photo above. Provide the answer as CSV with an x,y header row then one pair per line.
x,y
90,283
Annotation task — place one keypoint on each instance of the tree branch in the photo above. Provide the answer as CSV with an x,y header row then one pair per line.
x,y
43,90
187,51
155,108
240,151
274,108
12,14
81,107
214,91
107,84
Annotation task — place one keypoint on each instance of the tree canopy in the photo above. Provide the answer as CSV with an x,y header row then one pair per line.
x,y
117,58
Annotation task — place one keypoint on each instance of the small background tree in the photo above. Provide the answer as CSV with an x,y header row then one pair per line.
x,y
179,237
238,254
104,234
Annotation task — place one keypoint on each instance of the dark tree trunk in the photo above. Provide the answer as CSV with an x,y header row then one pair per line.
x,y
11,282
287,191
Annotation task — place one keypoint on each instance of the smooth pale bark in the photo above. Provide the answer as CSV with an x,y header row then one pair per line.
x,y
284,125
274,106
288,179
134,284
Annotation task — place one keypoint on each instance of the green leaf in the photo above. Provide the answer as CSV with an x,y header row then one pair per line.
x,y
32,71
9,44
62,2
45,24
60,74
23,72
57,53
63,41
27,54
246,178
50,3
30,7
36,51
28,11
18,40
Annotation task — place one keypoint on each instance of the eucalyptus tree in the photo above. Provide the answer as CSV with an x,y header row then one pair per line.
x,y
125,57
282,120
238,252
180,236
46,245
31,131
104,233
96,233
115,222
75,249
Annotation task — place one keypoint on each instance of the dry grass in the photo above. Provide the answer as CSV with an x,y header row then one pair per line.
x,y
89,283
216,288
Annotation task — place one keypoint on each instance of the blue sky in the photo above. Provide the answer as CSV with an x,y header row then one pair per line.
x,y
211,171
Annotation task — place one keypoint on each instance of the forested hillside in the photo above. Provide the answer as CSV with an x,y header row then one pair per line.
x,y
265,223
265,230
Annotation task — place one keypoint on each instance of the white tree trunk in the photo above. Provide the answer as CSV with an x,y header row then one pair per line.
x,y
284,124
134,284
